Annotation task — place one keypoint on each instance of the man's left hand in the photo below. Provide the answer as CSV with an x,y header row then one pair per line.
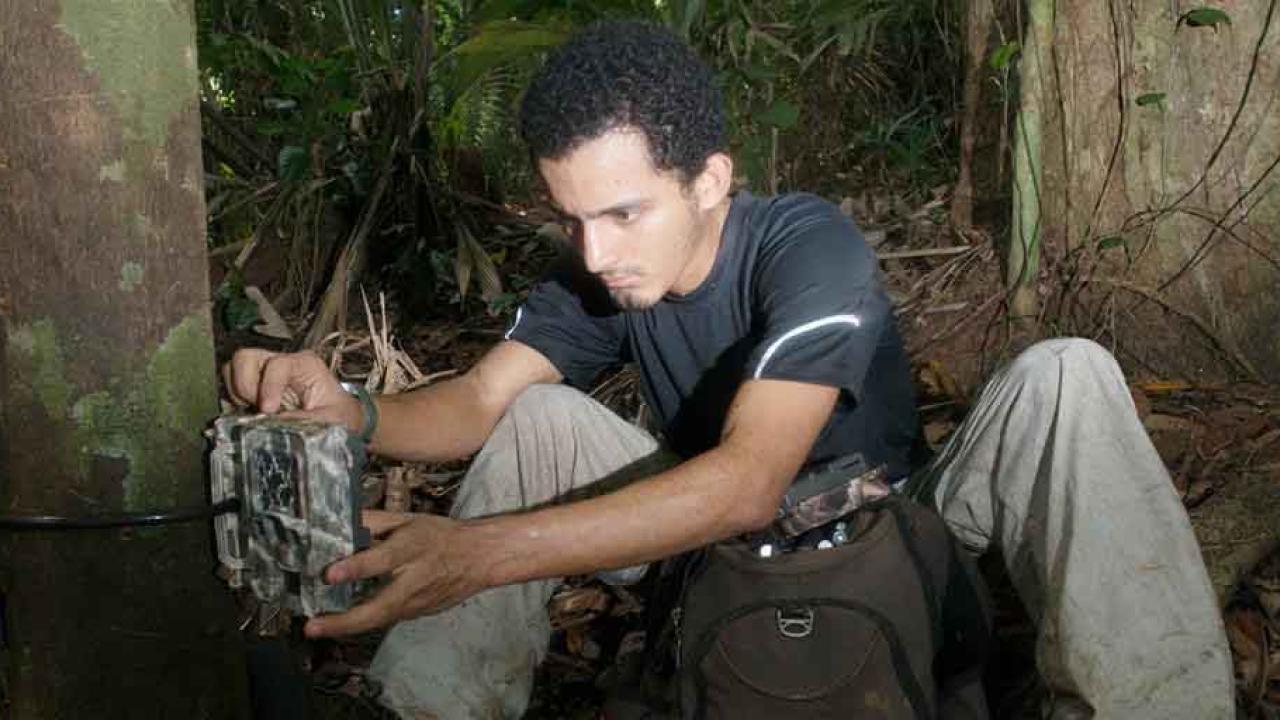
x,y
423,558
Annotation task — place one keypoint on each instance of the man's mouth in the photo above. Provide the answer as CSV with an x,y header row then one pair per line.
x,y
619,282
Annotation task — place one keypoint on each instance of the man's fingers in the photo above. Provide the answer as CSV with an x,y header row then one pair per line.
x,y
228,382
373,562
276,376
377,612
312,415
381,522
243,373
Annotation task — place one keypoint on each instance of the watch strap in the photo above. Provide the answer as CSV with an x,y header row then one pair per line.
x,y
368,408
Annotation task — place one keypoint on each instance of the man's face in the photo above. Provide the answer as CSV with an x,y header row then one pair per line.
x,y
639,229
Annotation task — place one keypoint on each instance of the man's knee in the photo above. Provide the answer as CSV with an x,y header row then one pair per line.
x,y
544,403
1063,350
1061,359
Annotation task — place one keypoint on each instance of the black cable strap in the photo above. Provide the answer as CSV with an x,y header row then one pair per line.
x,y
118,520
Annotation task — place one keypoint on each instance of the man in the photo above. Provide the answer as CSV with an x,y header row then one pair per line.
x,y
765,344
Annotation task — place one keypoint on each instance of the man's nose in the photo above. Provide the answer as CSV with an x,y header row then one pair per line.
x,y
597,253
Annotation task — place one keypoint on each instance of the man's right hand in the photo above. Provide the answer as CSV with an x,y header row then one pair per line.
x,y
300,382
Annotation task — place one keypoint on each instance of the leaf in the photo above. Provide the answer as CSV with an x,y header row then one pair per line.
x,y
812,56
490,282
272,324
292,162
239,313
1204,16
682,15
1115,241
1004,54
273,53
472,258
781,114
493,45
344,106
271,128
760,73
1165,386
1146,99
462,263
779,46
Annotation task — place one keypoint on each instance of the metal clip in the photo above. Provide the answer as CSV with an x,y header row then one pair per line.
x,y
797,623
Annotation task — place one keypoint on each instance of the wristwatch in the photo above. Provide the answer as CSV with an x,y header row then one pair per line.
x,y
367,408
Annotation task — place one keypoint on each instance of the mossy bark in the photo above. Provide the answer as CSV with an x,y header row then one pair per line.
x,y
107,376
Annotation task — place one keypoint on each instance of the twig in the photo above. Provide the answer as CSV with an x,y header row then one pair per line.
x,y
925,252
947,332
949,307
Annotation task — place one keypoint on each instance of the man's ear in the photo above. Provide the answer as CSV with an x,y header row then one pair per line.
x,y
715,181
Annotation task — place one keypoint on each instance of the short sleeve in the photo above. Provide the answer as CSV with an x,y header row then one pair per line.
x,y
571,320
818,296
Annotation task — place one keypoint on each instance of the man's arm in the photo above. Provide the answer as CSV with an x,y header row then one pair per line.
x,y
444,421
452,419
734,488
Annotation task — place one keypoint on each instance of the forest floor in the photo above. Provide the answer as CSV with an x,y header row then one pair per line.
x,y
1220,441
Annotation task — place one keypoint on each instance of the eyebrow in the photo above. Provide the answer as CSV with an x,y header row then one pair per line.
x,y
625,206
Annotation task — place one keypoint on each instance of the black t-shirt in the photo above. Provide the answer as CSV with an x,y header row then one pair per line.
x,y
794,294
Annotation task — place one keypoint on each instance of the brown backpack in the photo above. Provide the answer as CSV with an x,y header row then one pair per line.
x,y
893,623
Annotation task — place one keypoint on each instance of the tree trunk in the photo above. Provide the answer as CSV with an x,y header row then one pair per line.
x,y
979,17
106,366
1158,190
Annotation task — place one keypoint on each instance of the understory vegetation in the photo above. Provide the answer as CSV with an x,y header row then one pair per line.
x,y
375,141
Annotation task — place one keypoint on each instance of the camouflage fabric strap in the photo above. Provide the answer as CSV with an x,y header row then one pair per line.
x,y
832,503
368,409
829,493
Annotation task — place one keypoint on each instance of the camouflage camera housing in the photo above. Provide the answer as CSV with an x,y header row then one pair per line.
x,y
298,485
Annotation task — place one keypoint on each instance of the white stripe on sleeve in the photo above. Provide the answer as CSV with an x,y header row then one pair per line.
x,y
853,320
519,314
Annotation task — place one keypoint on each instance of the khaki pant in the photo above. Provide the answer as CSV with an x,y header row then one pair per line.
x,y
1051,465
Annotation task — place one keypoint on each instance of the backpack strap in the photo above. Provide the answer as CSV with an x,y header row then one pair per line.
x,y
896,506
966,617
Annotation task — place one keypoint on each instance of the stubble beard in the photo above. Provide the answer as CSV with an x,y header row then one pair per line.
x,y
629,301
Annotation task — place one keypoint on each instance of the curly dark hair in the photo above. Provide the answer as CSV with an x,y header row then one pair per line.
x,y
626,73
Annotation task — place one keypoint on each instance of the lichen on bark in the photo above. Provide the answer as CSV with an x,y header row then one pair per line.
x,y
151,419
143,80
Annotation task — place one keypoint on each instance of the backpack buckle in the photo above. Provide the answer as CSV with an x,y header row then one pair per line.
x,y
795,622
